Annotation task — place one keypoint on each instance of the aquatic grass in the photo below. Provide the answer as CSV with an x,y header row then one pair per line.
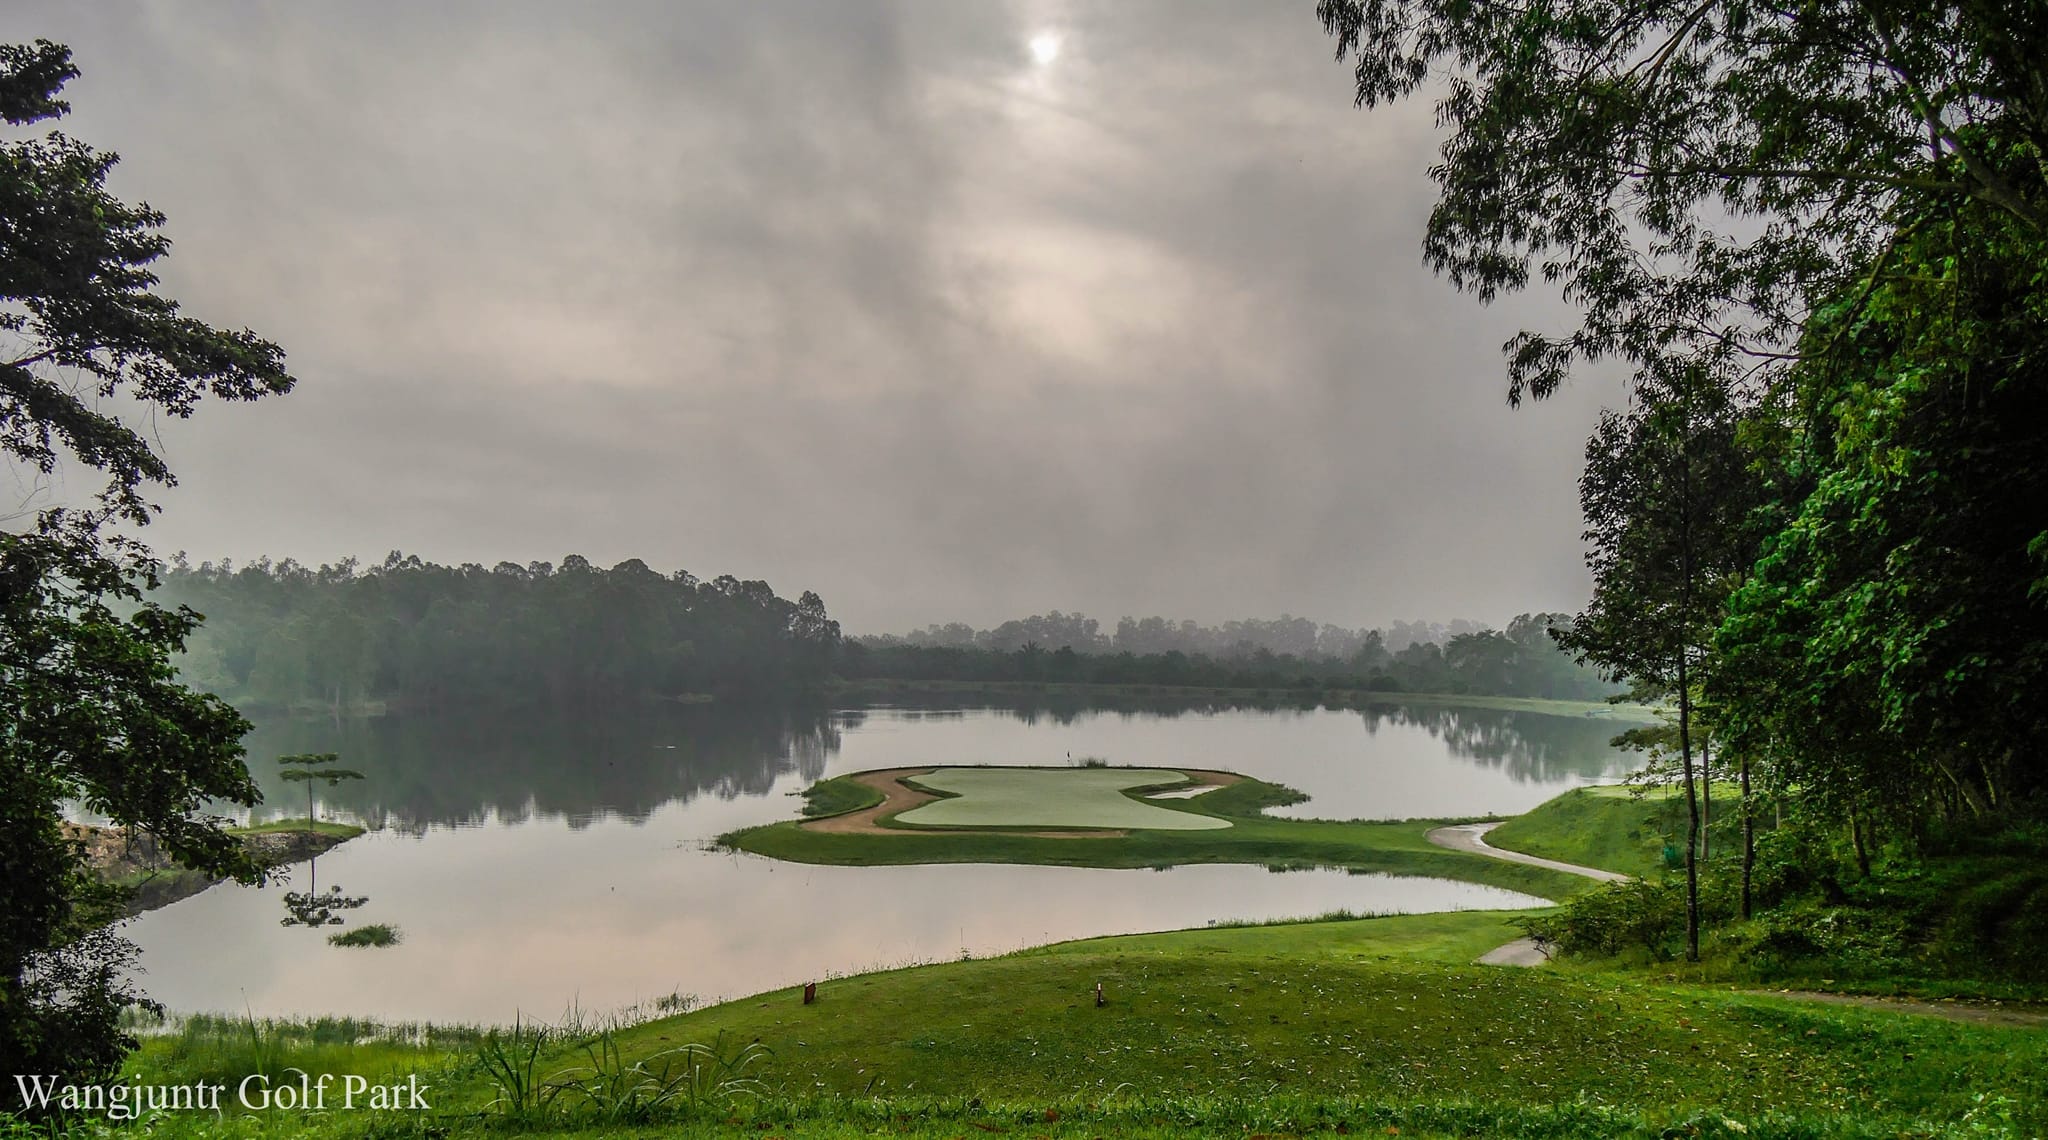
x,y
376,934
1338,915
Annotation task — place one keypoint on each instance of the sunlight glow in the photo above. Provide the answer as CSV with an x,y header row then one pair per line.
x,y
1045,47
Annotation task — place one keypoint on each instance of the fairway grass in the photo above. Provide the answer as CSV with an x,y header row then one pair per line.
x,y
1052,797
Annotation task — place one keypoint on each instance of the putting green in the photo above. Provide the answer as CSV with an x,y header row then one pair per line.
x,y
1052,797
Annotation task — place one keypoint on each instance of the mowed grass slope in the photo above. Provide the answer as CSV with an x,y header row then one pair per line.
x,y
1334,1026
1613,827
1329,1027
1359,1009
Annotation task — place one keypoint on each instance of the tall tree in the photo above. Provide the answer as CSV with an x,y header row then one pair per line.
x,y
90,708
1892,646
1667,494
1840,206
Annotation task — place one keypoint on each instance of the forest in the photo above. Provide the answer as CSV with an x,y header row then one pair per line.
x,y
422,635
406,633
1524,660
1818,527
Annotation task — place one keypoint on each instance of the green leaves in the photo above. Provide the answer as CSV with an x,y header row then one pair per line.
x,y
90,708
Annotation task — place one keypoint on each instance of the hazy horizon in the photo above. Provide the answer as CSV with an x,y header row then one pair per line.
x,y
949,314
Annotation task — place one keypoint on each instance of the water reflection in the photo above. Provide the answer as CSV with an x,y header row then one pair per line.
x,y
539,860
578,765
625,762
537,919
1529,746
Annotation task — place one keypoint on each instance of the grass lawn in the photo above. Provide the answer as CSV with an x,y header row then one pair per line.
x,y
1366,1025
1613,827
1376,1026
1051,797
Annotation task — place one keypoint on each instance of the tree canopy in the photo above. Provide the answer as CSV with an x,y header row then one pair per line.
x,y
91,709
1818,235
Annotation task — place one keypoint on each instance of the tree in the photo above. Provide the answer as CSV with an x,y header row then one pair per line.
x,y
1835,214
1614,149
90,707
1892,644
309,768
1666,495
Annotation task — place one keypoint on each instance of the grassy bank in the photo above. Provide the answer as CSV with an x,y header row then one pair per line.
x,y
1614,827
276,843
1960,918
1328,1027
1398,848
1323,1027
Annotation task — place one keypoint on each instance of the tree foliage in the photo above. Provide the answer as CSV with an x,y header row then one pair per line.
x,y
414,633
1701,176
1827,224
1892,645
91,710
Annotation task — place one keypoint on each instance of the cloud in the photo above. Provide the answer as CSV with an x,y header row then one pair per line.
x,y
857,298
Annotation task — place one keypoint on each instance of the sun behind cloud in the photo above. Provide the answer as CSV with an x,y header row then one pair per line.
x,y
1045,48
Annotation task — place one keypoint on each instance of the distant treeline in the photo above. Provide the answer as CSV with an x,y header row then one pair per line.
x,y
412,634
1522,661
1284,636
417,634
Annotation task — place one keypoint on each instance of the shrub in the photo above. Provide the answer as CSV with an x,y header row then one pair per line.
x,y
1614,918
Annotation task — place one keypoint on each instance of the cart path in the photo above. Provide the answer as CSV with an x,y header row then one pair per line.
x,y
1471,838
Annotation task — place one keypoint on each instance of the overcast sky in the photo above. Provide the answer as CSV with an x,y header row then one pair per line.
x,y
946,311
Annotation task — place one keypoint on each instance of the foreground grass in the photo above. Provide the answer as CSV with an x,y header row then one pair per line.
x,y
1399,848
1369,1024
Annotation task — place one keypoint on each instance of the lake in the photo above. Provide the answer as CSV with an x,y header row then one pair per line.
x,y
536,864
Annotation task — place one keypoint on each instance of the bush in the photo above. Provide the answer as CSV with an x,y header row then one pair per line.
x,y
64,1018
1614,918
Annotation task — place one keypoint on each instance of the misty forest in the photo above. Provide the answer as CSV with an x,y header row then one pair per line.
x,y
1738,826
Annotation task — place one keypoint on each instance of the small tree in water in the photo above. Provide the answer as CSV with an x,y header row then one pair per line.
x,y
311,907
307,767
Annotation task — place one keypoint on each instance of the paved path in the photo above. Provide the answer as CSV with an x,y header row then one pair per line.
x,y
1471,838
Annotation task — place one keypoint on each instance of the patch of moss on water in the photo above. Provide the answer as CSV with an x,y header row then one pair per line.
x,y
376,934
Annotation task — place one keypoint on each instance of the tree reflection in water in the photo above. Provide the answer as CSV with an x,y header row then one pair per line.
x,y
313,907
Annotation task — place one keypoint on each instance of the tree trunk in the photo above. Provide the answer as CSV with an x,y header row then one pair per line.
x,y
1692,806
1706,804
1856,842
1748,840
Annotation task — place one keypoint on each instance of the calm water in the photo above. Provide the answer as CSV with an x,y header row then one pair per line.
x,y
539,864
